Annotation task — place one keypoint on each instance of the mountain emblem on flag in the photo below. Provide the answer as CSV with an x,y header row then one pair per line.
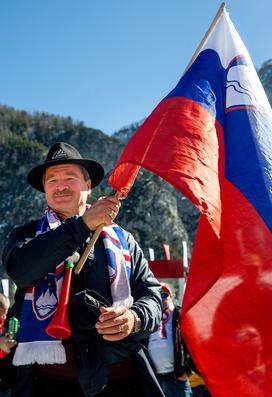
x,y
242,87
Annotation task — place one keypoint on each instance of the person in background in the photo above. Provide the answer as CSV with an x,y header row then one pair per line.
x,y
4,306
166,350
6,341
6,344
114,301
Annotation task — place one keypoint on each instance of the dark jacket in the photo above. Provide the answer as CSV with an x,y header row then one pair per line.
x,y
180,352
28,258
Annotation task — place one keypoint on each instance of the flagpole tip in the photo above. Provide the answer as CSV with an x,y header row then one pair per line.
x,y
223,6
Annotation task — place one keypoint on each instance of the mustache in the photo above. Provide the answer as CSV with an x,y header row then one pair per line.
x,y
64,192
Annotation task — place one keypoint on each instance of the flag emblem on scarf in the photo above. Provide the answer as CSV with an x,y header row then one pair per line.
x,y
45,302
211,138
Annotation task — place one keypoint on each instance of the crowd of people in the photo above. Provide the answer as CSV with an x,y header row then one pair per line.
x,y
123,329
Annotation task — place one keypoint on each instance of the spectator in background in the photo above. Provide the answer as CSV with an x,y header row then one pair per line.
x,y
166,350
4,306
6,343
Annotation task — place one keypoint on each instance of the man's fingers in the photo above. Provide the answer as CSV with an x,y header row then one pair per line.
x,y
115,323
114,329
111,322
115,332
103,211
108,313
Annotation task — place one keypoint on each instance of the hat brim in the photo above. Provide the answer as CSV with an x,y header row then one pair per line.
x,y
95,170
167,287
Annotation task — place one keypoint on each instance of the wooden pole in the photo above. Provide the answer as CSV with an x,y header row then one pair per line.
x,y
214,22
88,249
92,243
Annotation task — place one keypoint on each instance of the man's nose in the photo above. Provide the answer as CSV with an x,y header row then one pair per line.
x,y
60,186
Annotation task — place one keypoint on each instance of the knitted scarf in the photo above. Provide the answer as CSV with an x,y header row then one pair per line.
x,y
40,302
165,317
119,265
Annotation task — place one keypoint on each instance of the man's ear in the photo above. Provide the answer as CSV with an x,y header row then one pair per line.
x,y
89,186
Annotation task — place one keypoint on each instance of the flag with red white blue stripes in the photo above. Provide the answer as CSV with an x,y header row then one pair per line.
x,y
211,137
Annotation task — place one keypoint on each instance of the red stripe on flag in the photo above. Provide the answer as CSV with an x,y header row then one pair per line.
x,y
183,143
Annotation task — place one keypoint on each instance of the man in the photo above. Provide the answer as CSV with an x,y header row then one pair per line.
x,y
104,356
166,350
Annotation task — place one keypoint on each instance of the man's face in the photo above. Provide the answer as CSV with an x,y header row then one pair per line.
x,y
166,298
66,191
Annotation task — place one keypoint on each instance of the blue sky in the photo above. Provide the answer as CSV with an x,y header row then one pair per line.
x,y
109,62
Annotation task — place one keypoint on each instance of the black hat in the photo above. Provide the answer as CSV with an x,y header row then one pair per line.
x,y
62,153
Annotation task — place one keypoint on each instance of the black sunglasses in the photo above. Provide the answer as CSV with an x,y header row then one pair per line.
x,y
164,295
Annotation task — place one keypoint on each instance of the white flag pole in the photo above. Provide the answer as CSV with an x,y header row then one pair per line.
x,y
181,281
214,22
5,286
185,254
151,254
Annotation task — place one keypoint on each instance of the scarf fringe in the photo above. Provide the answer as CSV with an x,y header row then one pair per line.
x,y
40,352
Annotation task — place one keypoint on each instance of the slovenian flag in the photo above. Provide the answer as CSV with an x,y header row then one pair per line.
x,y
211,137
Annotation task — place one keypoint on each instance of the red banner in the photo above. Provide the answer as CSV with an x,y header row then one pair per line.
x,y
167,268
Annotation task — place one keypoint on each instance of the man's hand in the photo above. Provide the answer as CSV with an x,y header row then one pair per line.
x,y
102,212
6,343
115,323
